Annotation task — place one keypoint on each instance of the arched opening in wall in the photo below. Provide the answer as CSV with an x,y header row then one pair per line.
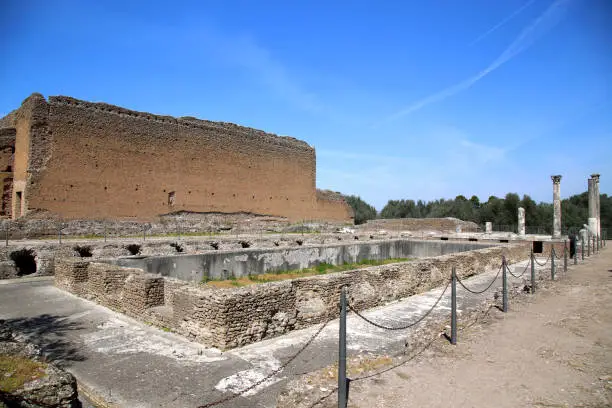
x,y
83,251
25,261
134,249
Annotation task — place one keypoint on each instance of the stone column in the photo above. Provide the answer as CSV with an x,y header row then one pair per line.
x,y
488,227
521,221
595,178
556,206
592,222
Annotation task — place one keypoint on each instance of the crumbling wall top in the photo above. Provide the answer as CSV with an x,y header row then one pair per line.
x,y
271,138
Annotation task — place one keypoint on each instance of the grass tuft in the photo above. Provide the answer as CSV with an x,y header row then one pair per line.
x,y
15,371
272,276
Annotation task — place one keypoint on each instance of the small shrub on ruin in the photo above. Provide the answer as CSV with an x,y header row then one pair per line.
x,y
276,243
299,241
245,244
214,245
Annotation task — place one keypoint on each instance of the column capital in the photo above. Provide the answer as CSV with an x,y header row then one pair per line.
x,y
595,177
556,179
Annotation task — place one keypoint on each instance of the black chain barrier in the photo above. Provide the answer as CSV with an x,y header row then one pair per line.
x,y
272,374
419,352
419,320
545,262
384,327
521,274
485,289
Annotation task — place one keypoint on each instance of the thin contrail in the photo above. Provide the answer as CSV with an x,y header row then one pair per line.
x,y
502,22
543,23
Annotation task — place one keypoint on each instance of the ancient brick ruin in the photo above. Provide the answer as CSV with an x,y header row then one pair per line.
x,y
72,159
228,318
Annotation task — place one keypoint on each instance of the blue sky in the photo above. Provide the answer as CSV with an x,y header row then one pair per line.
x,y
405,99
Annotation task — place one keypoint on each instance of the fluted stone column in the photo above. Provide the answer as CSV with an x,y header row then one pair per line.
x,y
592,222
556,206
595,178
488,227
521,221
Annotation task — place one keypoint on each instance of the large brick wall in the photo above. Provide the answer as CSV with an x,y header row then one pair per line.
x,y
82,160
227,318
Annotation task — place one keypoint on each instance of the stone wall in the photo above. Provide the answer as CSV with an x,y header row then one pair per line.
x,y
227,318
255,261
421,224
82,160
45,251
126,290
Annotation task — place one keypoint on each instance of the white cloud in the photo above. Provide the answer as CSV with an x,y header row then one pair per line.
x,y
544,23
502,22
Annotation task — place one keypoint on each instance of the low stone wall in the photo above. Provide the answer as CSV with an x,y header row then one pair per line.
x,y
256,261
420,224
227,318
127,290
45,251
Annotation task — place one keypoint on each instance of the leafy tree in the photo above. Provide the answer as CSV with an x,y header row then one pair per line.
x,y
363,211
503,211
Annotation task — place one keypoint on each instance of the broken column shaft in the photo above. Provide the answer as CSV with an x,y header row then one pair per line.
x,y
521,221
592,222
595,178
556,206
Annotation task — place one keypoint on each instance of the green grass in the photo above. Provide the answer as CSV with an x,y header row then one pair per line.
x,y
15,371
320,269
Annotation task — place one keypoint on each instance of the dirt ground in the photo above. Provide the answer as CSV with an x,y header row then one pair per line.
x,y
551,350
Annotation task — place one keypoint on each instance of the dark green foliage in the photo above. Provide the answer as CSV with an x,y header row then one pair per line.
x,y
503,212
363,211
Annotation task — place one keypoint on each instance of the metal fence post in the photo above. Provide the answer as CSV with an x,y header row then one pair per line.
x,y
594,243
582,246
565,256
59,233
342,383
552,263
504,286
533,278
105,231
454,306
7,232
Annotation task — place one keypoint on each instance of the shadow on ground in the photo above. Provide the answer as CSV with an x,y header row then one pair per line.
x,y
48,332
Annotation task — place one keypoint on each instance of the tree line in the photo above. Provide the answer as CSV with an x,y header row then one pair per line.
x,y
499,211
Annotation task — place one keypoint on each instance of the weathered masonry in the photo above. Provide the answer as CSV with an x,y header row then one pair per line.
x,y
79,160
227,318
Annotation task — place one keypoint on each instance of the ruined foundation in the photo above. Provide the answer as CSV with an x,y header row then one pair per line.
x,y
227,318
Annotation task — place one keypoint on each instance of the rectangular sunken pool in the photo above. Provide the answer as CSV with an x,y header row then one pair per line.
x,y
221,265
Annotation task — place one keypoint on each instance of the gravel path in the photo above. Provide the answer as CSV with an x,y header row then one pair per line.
x,y
551,350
